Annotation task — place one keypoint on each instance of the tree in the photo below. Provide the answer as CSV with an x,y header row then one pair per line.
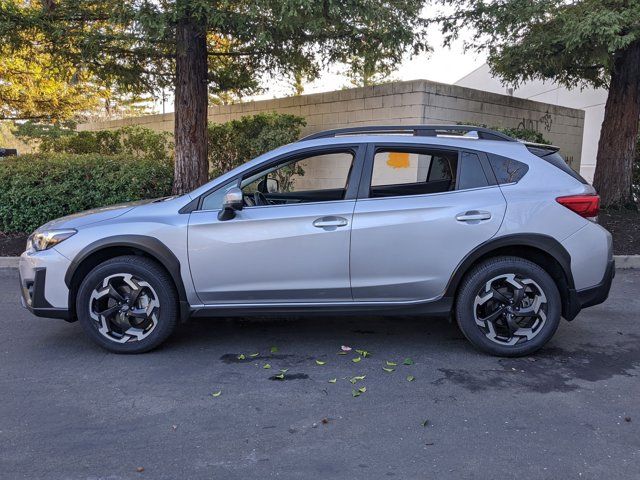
x,y
578,43
34,86
201,45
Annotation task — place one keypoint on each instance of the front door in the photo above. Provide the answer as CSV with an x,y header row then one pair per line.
x,y
423,211
290,242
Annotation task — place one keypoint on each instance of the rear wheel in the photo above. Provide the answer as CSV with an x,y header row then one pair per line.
x,y
127,305
508,306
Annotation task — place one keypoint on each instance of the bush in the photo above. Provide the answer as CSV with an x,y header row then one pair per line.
x,y
37,188
136,141
233,143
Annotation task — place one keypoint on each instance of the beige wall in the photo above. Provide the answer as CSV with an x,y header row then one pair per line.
x,y
403,103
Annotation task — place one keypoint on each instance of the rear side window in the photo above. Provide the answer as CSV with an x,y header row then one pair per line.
x,y
398,172
507,170
471,172
554,158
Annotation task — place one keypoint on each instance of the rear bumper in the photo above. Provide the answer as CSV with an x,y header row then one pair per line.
x,y
588,297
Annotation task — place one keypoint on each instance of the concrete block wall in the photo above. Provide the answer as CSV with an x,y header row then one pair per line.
x,y
404,103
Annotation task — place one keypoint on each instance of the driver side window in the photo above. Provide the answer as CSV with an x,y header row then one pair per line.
x,y
316,178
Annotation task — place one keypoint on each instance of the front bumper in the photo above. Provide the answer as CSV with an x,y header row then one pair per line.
x,y
42,287
33,298
588,297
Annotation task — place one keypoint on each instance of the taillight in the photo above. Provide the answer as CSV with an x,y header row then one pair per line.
x,y
586,206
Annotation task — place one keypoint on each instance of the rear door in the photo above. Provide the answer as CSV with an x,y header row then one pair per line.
x,y
420,211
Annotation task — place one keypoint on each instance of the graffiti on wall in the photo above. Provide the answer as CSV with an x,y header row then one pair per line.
x,y
545,121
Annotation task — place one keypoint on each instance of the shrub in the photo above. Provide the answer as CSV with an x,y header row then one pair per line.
x,y
233,143
37,188
136,141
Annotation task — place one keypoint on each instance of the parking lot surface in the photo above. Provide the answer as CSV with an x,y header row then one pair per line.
x,y
69,410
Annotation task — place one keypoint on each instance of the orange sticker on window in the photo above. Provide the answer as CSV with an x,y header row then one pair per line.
x,y
398,160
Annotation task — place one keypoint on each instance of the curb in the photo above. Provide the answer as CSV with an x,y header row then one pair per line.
x,y
623,262
9,262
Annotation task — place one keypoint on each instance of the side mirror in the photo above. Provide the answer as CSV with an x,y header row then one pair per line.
x,y
232,201
272,185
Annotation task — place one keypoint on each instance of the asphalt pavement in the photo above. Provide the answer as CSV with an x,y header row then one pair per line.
x,y
69,410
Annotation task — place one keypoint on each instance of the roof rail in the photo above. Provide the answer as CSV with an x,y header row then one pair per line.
x,y
416,130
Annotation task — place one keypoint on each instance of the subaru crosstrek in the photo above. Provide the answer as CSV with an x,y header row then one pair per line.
x,y
424,220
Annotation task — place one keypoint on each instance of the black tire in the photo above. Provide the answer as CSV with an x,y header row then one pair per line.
x,y
157,283
487,337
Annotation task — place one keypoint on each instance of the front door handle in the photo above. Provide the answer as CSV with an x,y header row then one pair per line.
x,y
473,215
329,222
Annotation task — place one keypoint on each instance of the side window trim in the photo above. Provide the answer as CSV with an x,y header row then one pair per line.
x,y
353,181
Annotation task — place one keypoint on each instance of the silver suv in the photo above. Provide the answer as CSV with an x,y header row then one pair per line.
x,y
425,220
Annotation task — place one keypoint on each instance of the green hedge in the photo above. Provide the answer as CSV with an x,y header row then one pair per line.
x,y
135,140
233,143
37,188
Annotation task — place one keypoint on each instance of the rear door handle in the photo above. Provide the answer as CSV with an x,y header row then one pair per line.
x,y
473,215
328,222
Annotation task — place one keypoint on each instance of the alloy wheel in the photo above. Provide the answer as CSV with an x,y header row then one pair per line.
x,y
510,309
125,308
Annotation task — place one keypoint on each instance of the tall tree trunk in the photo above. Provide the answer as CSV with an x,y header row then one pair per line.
x,y
191,164
616,148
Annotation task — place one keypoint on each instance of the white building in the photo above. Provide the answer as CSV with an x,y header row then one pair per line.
x,y
590,100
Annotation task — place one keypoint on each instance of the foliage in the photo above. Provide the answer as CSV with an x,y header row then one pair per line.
x,y
36,85
133,44
572,43
135,141
37,188
526,134
233,143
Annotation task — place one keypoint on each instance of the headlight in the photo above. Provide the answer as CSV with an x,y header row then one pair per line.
x,y
45,239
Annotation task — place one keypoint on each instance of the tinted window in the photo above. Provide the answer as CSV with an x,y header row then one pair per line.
x,y
554,158
507,170
471,172
213,201
412,172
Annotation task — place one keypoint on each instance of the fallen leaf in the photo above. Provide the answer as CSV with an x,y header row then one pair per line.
x,y
241,356
355,393
410,378
140,469
266,365
425,423
284,370
407,361
274,349
355,379
333,380
342,353
362,389
344,348
391,364
217,394
356,360
389,370
319,362
280,376
254,355
364,353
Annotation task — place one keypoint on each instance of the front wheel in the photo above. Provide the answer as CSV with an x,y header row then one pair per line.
x,y
128,304
508,306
